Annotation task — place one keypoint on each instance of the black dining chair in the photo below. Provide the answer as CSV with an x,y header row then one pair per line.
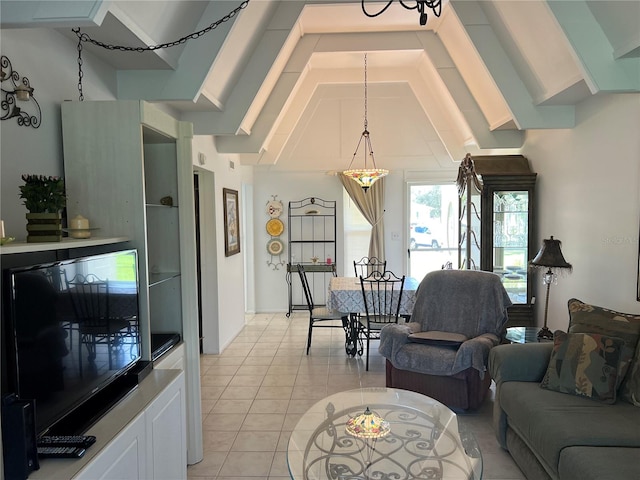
x,y
366,265
382,294
319,314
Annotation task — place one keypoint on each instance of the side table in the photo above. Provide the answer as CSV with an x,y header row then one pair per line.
x,y
523,335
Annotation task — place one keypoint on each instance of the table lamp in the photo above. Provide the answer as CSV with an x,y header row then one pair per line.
x,y
549,257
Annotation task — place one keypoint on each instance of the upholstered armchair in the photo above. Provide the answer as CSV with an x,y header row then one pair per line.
x,y
459,315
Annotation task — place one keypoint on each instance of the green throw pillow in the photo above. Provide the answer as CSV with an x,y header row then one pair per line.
x,y
585,365
585,318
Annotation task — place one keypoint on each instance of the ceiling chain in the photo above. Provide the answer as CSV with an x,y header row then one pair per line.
x,y
83,37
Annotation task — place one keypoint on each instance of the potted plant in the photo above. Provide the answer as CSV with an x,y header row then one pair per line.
x,y
44,197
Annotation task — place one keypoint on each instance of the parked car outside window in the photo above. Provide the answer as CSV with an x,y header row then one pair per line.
x,y
421,236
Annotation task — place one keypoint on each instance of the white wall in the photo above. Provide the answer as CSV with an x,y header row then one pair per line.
x,y
270,283
50,62
588,197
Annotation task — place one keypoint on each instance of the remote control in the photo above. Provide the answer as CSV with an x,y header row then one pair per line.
x,y
60,452
84,441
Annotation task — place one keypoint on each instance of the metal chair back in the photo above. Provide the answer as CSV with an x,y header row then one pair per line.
x,y
382,295
367,265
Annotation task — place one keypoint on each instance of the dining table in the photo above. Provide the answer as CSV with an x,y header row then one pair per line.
x,y
345,295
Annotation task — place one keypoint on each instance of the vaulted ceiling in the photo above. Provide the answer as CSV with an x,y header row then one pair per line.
x,y
281,84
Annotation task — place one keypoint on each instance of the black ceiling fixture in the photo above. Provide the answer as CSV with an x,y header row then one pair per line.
x,y
435,5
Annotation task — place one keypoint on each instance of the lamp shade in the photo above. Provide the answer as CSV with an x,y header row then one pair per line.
x,y
550,255
368,425
366,177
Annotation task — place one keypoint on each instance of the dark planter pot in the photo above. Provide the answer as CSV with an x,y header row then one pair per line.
x,y
44,227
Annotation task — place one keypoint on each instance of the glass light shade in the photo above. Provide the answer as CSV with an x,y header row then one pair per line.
x,y
368,425
366,176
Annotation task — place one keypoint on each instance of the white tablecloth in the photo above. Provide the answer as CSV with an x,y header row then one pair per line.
x,y
345,295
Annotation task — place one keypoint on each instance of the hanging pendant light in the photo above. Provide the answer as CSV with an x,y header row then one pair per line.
x,y
365,177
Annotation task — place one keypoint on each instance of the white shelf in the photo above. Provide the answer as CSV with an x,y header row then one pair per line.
x,y
66,243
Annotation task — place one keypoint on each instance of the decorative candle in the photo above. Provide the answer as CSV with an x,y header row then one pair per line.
x,y
79,227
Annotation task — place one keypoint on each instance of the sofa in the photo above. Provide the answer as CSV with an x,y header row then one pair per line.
x,y
570,408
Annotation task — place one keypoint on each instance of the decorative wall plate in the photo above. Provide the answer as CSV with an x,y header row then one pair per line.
x,y
275,227
274,208
275,246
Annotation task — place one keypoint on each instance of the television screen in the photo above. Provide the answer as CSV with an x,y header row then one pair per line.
x,y
73,329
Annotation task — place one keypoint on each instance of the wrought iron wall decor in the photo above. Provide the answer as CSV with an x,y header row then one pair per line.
x,y
274,228
83,37
17,89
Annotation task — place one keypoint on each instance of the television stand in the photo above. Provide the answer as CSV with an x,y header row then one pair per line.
x,y
152,417
89,412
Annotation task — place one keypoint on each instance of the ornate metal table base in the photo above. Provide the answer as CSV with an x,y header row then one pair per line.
x,y
425,441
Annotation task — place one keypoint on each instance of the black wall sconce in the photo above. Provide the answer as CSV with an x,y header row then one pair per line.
x,y
17,89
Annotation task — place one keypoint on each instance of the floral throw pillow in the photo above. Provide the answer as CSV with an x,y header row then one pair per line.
x,y
585,318
585,365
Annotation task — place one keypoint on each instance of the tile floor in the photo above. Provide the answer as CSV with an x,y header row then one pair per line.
x,y
254,393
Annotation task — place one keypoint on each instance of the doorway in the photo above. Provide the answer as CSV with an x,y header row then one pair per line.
x,y
207,260
433,228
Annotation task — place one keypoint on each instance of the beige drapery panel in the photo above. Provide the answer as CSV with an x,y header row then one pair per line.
x,y
371,205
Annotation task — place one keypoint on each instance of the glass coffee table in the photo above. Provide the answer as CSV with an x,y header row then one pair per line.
x,y
424,440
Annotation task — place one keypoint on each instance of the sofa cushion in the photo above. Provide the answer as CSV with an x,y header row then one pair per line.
x,y
549,422
584,364
630,390
596,463
585,318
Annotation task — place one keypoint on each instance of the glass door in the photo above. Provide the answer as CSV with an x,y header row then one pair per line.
x,y
433,228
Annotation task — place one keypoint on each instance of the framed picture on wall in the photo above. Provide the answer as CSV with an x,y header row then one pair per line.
x,y
231,222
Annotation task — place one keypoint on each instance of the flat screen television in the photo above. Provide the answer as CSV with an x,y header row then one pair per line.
x,y
71,331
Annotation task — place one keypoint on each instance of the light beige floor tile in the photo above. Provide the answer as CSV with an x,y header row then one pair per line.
x,y
232,406
301,405
261,361
279,466
219,369
279,380
274,392
246,369
215,380
263,422
211,393
217,441
269,406
309,391
283,369
246,381
226,422
253,464
283,441
209,467
291,420
240,393
255,441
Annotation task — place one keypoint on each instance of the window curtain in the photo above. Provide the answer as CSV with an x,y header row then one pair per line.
x,y
371,205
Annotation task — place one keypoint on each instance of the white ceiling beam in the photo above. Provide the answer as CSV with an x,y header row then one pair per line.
x,y
52,14
604,73
525,113
198,56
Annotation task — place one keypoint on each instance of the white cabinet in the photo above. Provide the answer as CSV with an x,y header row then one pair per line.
x,y
143,437
123,459
128,169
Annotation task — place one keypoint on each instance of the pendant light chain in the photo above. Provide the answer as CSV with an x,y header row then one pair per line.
x,y
365,177
83,37
365,93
